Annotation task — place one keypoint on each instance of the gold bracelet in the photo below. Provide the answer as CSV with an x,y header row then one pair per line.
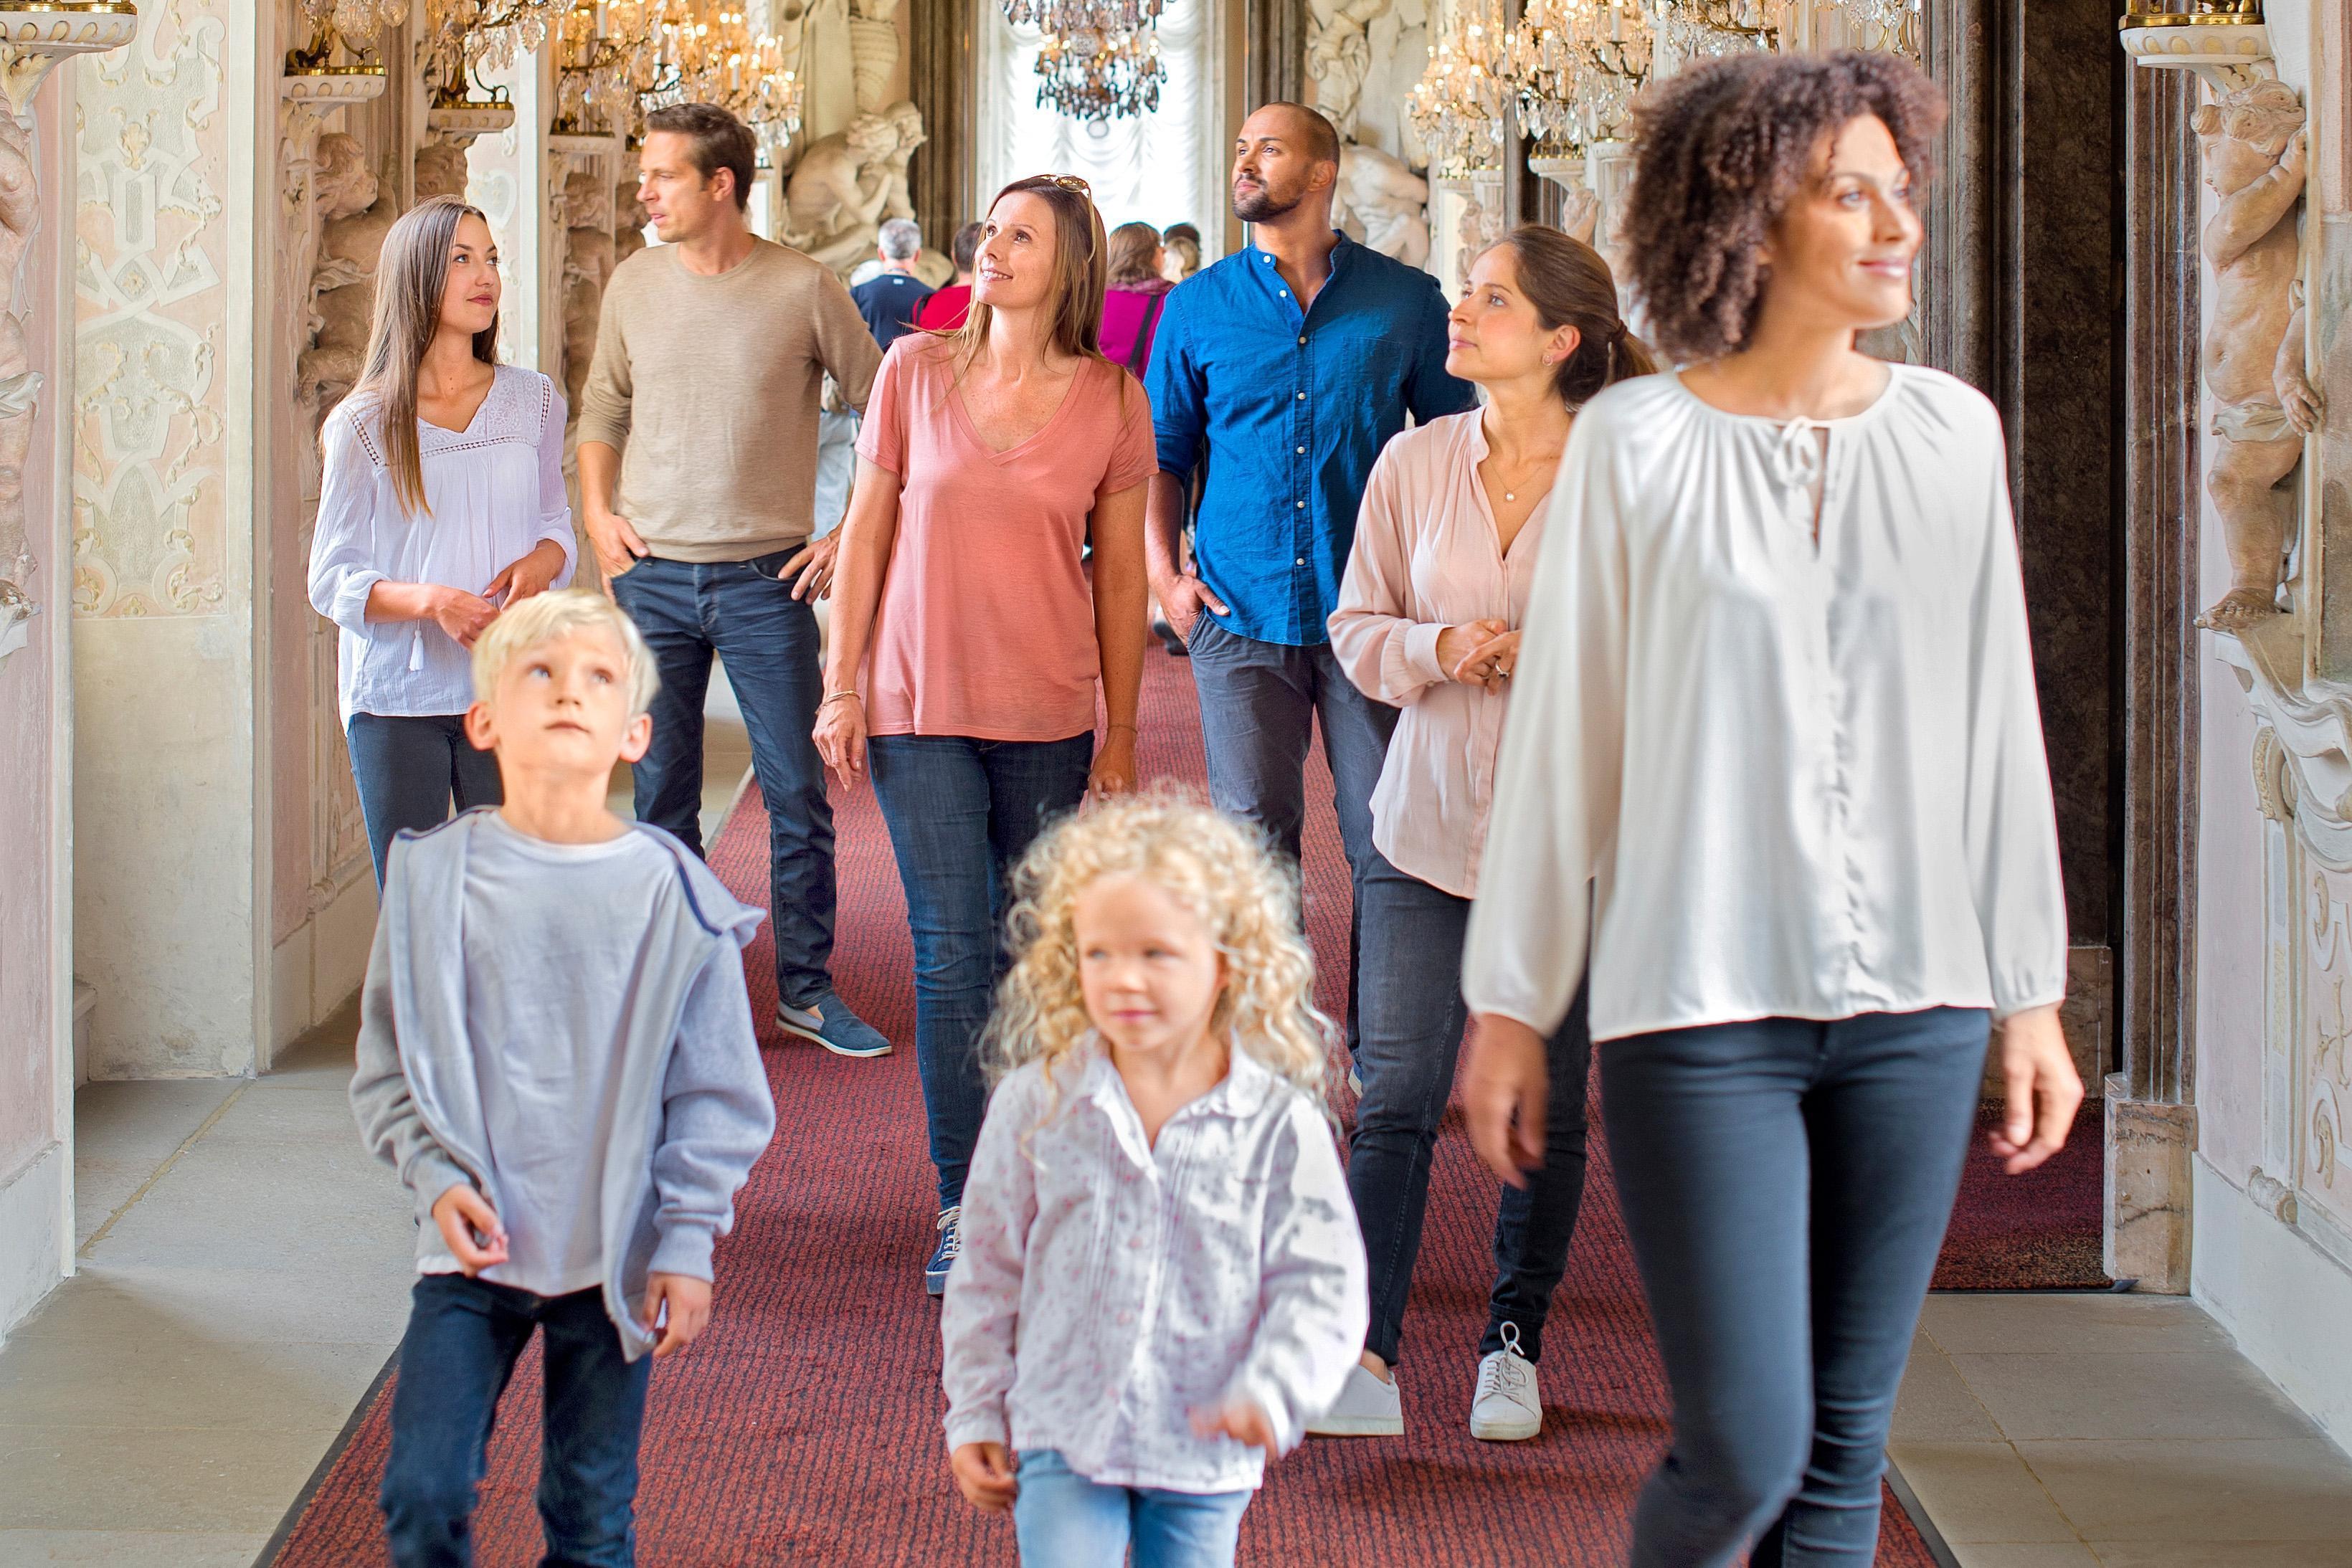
x,y
832,697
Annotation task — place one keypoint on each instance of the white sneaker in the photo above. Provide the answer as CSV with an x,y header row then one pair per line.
x,y
1507,1409
1367,1407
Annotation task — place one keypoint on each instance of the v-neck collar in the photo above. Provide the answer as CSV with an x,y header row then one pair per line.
x,y
972,429
1478,453
472,419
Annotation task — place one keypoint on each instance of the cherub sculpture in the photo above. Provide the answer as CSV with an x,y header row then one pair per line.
x,y
2252,142
1386,201
840,191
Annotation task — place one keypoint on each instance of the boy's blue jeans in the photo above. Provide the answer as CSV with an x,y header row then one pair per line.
x,y
1064,1520
462,1341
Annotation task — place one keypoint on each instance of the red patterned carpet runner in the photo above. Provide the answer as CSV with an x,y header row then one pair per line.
x,y
805,1428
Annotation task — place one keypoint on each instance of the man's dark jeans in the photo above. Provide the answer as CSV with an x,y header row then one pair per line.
x,y
961,812
740,611
1786,1183
462,1341
1414,1016
407,770
1259,703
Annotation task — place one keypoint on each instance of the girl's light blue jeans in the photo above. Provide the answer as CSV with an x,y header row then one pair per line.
x,y
1064,1520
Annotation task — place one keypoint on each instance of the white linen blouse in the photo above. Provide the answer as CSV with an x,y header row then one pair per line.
x,y
1806,780
1428,556
495,490
1110,1286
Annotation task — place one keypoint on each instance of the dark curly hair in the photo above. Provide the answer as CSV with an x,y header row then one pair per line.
x,y
1721,149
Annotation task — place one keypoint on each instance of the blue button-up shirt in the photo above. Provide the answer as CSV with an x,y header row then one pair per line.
x,y
1283,410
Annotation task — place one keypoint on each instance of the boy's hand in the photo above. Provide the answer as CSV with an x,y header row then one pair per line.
x,y
464,1215
984,1474
689,1299
1241,1420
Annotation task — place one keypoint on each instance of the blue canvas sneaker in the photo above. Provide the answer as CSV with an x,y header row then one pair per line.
x,y
943,1256
830,1023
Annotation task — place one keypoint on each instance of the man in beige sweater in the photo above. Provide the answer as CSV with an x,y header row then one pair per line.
x,y
698,476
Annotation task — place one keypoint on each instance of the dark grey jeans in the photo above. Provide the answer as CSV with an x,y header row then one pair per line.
x,y
1414,1015
1786,1184
1259,704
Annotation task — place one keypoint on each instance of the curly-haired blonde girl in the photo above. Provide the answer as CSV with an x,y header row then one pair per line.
x,y
1159,1278
1216,866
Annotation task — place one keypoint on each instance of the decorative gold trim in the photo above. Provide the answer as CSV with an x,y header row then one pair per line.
x,y
78,7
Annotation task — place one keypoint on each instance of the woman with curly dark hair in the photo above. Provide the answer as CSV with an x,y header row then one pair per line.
x,y
1777,704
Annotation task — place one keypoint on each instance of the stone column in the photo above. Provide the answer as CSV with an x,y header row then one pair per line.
x,y
172,550
37,1058
2151,1117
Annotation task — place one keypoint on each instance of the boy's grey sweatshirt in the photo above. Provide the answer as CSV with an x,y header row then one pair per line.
x,y
671,1177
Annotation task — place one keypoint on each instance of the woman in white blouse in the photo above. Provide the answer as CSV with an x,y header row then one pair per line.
x,y
442,502
1777,706
1428,622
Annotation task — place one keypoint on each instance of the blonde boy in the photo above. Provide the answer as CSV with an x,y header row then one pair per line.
x,y
556,1054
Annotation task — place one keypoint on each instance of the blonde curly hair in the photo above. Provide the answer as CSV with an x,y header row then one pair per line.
x,y
1220,869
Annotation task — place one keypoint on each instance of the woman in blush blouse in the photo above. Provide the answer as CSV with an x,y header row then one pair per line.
x,y
969,640
1777,707
441,502
1428,622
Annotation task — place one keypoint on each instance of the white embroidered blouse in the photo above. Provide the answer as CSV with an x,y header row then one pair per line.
x,y
1109,1288
495,490
1807,780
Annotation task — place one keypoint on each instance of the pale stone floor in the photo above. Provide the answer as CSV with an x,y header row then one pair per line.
x,y
243,1278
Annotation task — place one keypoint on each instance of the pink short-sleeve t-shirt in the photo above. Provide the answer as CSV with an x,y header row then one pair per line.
x,y
986,626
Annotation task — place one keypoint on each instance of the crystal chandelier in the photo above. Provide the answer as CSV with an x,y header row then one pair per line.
x,y
1574,67
1710,30
1457,105
1068,19
622,58
1886,26
483,35
1094,76
361,22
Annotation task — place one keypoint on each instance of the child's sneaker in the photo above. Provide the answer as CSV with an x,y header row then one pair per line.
x,y
1506,1409
943,1256
830,1023
1368,1406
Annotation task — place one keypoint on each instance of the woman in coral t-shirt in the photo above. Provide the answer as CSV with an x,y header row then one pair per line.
x,y
967,641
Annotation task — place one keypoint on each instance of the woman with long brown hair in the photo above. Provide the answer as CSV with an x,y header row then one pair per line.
x,y
1136,293
1428,622
441,503
967,641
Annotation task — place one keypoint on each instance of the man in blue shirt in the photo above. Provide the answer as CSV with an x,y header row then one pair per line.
x,y
1276,377
889,299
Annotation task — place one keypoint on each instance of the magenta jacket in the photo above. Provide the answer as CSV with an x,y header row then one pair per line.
x,y
1130,317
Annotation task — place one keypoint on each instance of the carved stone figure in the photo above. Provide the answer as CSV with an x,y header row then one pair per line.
x,y
628,220
588,262
1383,203
1339,56
872,49
356,215
441,168
907,124
2252,144
841,190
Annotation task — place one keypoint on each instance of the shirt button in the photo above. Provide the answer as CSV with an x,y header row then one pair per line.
x,y
1301,451
1282,293
1302,338
1300,504
1302,396
1300,561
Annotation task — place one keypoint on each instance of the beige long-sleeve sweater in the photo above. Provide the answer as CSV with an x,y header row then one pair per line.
x,y
708,387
